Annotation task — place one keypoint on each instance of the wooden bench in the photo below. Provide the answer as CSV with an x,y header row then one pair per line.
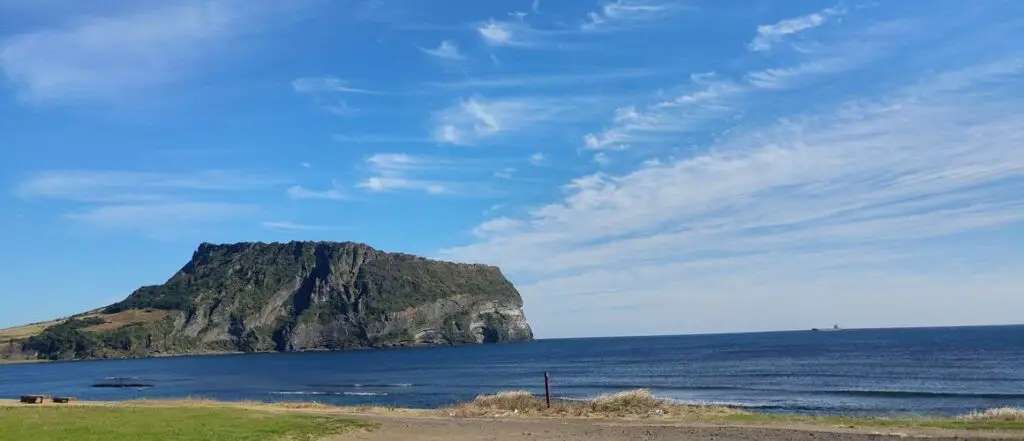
x,y
64,400
34,399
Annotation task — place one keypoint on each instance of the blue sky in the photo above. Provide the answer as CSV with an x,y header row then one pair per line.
x,y
635,167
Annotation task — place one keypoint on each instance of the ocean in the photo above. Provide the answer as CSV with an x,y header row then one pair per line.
x,y
934,371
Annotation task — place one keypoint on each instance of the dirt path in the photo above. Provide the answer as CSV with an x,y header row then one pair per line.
x,y
402,428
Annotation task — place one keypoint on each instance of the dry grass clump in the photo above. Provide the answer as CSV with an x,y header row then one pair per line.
x,y
631,404
999,414
126,317
26,331
517,401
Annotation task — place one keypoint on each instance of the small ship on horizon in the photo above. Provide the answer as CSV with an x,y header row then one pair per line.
x,y
832,329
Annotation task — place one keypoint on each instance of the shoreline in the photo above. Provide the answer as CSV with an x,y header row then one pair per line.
x,y
741,410
4,361
471,416
160,355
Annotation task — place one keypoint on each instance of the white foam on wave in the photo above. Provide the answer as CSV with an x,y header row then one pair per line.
x,y
300,393
360,394
361,385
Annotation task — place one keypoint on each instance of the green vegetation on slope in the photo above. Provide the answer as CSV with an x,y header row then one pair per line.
x,y
66,340
89,423
69,340
249,274
411,281
170,296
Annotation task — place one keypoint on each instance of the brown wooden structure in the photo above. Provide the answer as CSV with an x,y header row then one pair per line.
x,y
34,399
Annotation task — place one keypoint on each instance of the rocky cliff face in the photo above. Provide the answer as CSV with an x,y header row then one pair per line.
x,y
313,296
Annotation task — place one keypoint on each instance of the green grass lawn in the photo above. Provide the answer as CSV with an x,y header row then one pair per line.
x,y
164,424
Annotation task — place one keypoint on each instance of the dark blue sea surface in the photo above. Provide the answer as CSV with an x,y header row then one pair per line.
x,y
937,371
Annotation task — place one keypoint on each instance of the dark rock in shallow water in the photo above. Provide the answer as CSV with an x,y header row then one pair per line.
x,y
122,385
119,382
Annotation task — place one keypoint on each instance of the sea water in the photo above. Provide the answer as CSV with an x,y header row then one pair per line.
x,y
934,371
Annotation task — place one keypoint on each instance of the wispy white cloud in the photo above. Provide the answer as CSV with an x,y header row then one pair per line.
x,y
511,33
856,49
292,226
341,108
472,119
447,49
477,118
496,33
769,35
433,175
602,158
781,78
327,84
335,193
497,226
118,55
556,79
621,14
159,216
384,184
505,173
535,7
325,91
708,97
537,158
306,165
398,162
110,186
151,201
770,206
399,171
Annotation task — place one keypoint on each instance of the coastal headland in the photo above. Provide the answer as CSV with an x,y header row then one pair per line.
x,y
288,297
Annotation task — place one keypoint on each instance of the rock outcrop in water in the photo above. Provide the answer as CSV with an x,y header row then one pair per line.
x,y
297,296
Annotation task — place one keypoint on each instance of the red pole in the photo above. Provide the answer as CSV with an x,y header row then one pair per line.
x,y
547,390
